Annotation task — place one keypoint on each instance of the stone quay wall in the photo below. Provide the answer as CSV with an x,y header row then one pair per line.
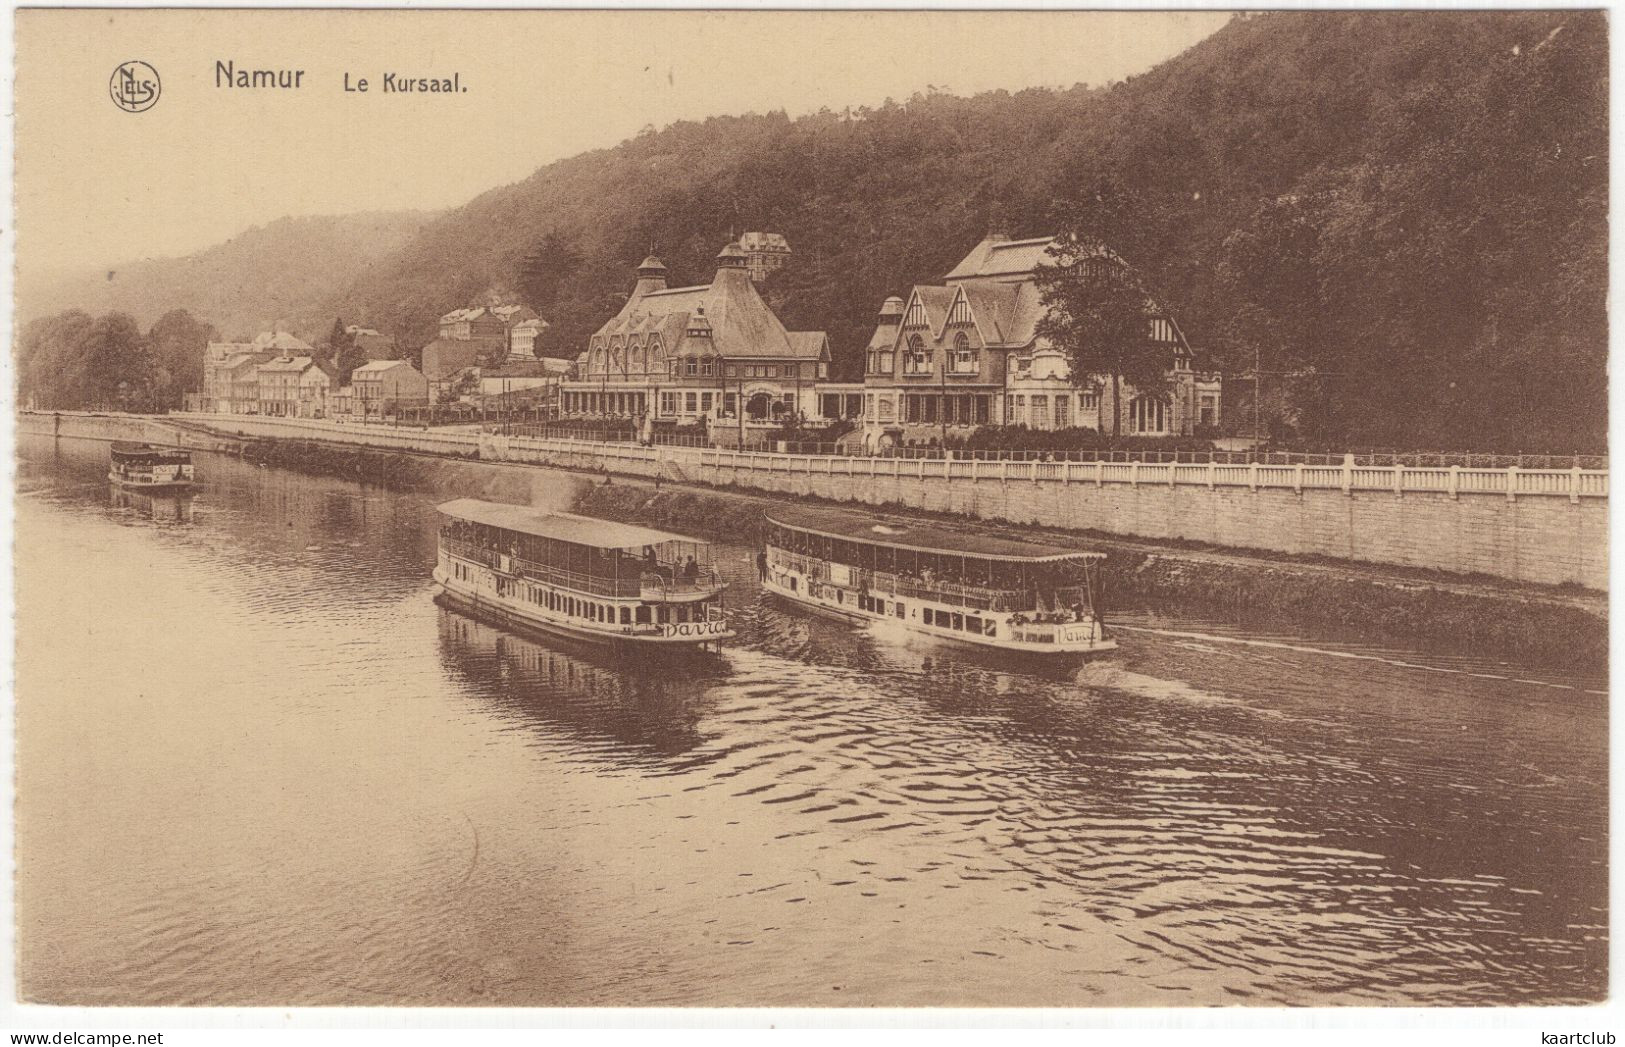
x,y
1538,526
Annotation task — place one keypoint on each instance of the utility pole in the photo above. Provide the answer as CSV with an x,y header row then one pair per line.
x,y
1258,376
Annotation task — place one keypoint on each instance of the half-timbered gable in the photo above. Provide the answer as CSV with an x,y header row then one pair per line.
x,y
966,353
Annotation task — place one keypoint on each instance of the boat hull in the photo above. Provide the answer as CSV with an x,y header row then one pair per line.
x,y
144,485
509,613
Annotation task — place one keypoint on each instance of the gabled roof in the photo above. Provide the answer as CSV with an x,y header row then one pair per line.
x,y
379,366
513,313
564,527
249,361
742,323
995,256
1005,313
294,364
809,344
280,340
219,352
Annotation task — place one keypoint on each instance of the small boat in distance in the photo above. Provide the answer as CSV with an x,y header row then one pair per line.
x,y
146,467
595,580
991,592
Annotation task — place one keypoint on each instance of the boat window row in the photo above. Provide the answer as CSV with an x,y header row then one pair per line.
x,y
591,610
1062,587
960,623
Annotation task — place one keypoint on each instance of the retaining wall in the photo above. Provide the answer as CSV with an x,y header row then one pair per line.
x,y
1541,526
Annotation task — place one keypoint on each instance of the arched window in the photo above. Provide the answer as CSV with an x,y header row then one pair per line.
x,y
1148,415
918,359
635,363
965,361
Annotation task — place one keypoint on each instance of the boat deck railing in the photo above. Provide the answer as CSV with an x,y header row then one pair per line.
x,y
652,585
937,590
658,586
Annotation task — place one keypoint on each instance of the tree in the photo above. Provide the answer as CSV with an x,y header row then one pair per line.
x,y
543,272
1097,307
47,374
177,342
343,352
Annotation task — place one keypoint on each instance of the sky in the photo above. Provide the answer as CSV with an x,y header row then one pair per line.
x,y
97,186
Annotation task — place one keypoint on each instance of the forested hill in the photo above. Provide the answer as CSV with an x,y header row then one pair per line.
x,y
270,273
1410,204
1407,211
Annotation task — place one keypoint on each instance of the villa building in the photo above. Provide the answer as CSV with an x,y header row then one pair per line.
x,y
765,254
383,387
966,353
294,387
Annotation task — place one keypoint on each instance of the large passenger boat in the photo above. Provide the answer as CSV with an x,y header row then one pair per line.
x,y
593,580
148,468
992,592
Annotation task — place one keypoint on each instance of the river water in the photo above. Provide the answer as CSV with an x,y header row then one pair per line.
x,y
257,764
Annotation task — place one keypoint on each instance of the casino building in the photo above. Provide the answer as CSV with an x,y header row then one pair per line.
x,y
713,351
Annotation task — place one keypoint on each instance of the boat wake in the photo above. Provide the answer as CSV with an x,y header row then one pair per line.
x,y
1361,656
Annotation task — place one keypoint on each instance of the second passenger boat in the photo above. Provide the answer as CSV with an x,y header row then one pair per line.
x,y
991,592
595,580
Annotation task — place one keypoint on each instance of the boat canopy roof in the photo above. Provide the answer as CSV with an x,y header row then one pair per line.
x,y
132,449
919,537
563,527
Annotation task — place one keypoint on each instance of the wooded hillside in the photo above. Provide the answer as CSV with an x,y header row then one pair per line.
x,y
1405,211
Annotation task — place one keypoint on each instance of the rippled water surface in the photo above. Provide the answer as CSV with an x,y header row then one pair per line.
x,y
258,764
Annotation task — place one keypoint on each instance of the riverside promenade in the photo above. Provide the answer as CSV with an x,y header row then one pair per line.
x,y
1541,526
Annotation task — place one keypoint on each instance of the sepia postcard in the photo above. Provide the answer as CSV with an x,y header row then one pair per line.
x,y
1089,510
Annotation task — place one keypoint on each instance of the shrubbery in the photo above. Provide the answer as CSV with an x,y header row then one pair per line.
x,y
1068,441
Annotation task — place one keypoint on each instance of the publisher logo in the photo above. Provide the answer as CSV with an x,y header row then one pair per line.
x,y
134,87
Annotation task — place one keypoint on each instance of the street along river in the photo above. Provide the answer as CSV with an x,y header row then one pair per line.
x,y
258,764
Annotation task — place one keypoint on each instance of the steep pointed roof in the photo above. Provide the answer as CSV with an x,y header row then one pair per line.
x,y
742,323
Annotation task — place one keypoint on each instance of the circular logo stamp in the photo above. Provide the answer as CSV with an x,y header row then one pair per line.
x,y
134,87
